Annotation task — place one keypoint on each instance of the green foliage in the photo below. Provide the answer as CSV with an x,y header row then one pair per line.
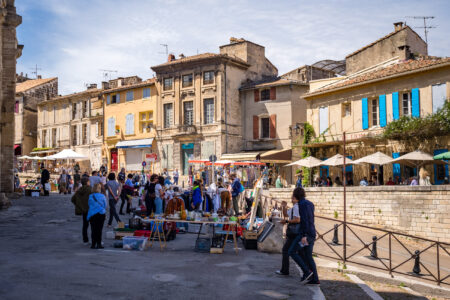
x,y
41,149
307,138
430,126
336,215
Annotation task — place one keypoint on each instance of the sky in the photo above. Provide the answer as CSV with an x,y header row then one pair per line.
x,y
75,40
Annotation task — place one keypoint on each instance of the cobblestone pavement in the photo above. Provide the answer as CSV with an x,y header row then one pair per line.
x,y
42,257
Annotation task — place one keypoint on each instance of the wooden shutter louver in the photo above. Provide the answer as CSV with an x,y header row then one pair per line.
x,y
255,127
256,92
273,93
273,126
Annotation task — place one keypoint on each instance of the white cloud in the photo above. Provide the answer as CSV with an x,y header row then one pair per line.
x,y
78,38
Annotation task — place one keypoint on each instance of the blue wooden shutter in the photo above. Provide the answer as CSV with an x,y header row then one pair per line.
x,y
365,114
396,167
382,105
111,126
348,168
415,103
108,99
129,126
395,108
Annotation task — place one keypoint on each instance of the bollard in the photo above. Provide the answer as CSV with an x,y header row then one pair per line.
x,y
335,235
374,253
416,269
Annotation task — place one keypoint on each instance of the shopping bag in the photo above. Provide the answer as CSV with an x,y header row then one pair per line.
x,y
48,186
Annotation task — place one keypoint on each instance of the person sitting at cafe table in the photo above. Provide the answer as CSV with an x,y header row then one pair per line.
x,y
364,182
390,181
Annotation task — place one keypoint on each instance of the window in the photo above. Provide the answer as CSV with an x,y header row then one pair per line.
x,y
54,113
130,96
374,112
146,93
108,99
168,115
54,144
187,80
115,98
129,124
74,111
188,107
439,96
406,104
168,83
208,110
111,126
208,77
265,128
346,109
84,134
100,128
74,135
145,121
44,138
265,94
323,119
16,107
85,109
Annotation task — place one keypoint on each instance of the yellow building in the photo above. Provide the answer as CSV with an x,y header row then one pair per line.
x,y
129,131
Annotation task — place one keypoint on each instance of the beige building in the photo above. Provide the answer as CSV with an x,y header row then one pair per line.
x,y
274,108
10,51
200,107
129,113
74,122
28,94
362,103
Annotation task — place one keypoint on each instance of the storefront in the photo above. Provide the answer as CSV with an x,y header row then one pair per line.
x,y
132,153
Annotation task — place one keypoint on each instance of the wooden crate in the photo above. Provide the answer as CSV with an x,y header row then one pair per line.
x,y
250,235
216,251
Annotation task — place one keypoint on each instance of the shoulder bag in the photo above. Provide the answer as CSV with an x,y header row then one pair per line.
x,y
292,230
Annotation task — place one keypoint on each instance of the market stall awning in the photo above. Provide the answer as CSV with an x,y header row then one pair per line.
x,y
143,143
240,156
376,158
282,156
66,154
199,161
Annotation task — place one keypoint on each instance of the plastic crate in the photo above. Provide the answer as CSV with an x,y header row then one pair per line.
x,y
203,244
134,243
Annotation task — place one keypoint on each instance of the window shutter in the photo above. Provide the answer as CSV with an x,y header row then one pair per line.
x,y
273,126
255,127
273,93
111,126
382,105
396,167
256,95
415,103
365,114
395,108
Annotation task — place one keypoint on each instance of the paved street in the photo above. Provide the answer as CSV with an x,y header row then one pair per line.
x,y
44,258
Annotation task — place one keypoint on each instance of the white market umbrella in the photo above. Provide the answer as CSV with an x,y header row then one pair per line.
x,y
25,157
376,158
336,161
416,158
67,154
308,162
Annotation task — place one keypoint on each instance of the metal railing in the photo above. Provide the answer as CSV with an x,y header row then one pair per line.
x,y
347,252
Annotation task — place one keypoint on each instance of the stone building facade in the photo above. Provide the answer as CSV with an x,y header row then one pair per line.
x,y
200,108
10,51
74,122
363,103
28,94
130,121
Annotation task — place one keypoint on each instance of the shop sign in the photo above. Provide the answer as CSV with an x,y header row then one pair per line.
x,y
152,157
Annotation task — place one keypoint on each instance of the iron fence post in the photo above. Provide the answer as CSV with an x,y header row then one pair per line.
x,y
345,207
438,269
390,255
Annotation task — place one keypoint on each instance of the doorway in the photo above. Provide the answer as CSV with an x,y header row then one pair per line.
x,y
114,160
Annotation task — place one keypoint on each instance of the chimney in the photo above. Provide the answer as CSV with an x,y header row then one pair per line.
x,y
171,57
92,86
105,85
39,77
119,81
181,55
398,26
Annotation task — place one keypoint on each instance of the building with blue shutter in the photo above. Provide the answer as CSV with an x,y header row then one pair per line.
x,y
387,79
129,131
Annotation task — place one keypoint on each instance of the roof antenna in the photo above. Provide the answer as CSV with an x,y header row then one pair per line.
x,y
35,70
167,49
107,74
425,26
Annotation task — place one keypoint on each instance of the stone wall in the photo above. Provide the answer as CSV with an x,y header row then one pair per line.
x,y
422,211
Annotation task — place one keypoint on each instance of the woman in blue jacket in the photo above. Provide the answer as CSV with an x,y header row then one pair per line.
x,y
196,196
96,215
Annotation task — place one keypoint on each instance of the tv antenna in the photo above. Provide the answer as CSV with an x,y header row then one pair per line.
x,y
35,70
425,26
167,49
107,74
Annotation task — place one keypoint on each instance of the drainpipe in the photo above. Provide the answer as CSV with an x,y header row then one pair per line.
x,y
226,124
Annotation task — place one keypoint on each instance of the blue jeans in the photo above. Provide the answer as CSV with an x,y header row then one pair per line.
x,y
305,259
158,206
